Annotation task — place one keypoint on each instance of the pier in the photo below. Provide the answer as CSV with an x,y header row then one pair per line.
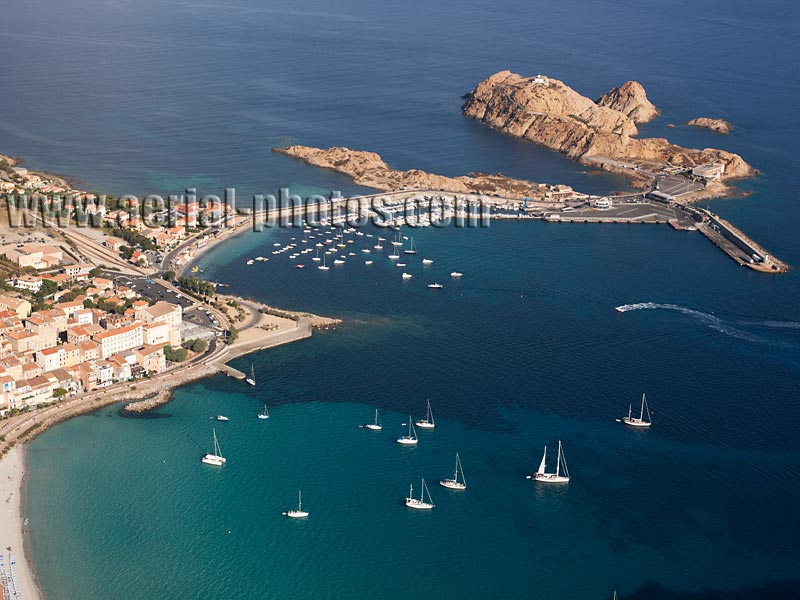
x,y
405,207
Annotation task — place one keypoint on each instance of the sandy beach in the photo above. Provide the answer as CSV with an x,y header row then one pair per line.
x,y
12,471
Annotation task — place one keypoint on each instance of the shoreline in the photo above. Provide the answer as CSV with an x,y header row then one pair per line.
x,y
141,396
13,486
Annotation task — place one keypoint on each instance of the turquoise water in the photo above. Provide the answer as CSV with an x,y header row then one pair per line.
x,y
526,349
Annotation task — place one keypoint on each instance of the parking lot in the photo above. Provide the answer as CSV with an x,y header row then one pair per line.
x,y
153,289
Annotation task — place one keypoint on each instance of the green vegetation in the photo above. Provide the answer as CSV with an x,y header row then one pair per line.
x,y
59,392
197,345
195,284
134,238
172,355
48,287
168,276
233,335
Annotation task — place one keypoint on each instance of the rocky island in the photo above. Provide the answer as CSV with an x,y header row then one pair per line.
x,y
601,134
370,170
715,125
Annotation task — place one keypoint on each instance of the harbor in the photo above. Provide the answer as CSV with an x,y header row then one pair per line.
x,y
424,208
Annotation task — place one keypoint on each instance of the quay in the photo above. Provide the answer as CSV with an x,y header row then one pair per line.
x,y
638,208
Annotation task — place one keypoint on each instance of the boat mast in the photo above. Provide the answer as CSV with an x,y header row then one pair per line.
x,y
558,461
641,414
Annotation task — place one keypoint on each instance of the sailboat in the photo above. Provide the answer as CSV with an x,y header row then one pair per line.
x,y
454,483
411,249
323,266
427,422
299,513
639,421
420,504
264,414
216,459
410,439
376,426
317,258
252,379
561,467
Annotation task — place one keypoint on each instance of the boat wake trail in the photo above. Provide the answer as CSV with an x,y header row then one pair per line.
x,y
708,319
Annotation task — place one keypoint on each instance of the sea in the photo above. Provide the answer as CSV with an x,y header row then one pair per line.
x,y
524,350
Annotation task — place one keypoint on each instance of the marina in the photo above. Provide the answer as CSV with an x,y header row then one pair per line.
x,y
422,208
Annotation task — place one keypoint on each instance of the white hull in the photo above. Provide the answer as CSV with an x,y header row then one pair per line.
x,y
634,422
452,484
407,441
550,478
222,418
263,416
214,460
374,427
297,514
250,381
414,503
425,424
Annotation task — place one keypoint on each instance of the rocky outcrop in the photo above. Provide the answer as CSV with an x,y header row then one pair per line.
x,y
549,112
631,100
370,170
715,125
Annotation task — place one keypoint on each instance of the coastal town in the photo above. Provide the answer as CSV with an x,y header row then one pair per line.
x,y
99,302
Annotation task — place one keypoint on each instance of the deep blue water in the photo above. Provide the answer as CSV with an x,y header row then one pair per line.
x,y
525,350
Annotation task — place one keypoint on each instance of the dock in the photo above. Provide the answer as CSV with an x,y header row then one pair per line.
x,y
654,208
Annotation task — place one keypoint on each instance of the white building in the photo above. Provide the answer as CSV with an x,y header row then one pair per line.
x,y
116,340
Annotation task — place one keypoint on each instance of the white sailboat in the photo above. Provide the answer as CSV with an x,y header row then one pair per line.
x,y
376,426
639,421
410,439
299,513
411,249
455,483
435,286
323,266
427,261
215,458
264,414
252,379
560,476
427,422
420,504
317,258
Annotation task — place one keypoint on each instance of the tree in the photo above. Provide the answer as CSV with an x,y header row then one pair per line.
x,y
233,334
168,275
126,252
58,392
48,287
178,355
96,272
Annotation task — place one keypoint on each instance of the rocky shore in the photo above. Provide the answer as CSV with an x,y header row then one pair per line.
x,y
548,112
716,125
370,170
